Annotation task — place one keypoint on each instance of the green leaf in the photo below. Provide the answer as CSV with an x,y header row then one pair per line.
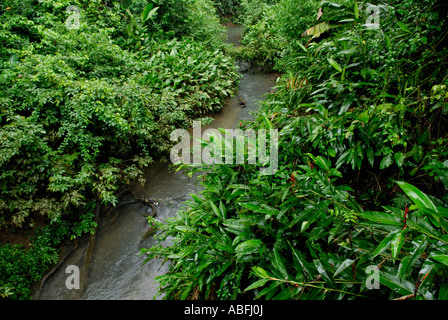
x,y
397,243
304,267
149,12
215,209
334,64
384,244
317,30
424,227
257,284
418,197
393,282
279,265
386,162
403,27
443,291
415,256
249,247
403,267
344,265
260,272
442,258
323,272
399,159
381,217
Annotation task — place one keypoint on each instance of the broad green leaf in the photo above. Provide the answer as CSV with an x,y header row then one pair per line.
x,y
215,208
393,282
386,162
149,12
442,258
222,209
344,265
322,163
381,217
443,291
403,27
356,10
256,208
404,265
279,264
260,272
323,272
257,284
248,247
399,158
334,64
306,269
396,243
317,30
384,244
418,197
424,227
415,256
146,11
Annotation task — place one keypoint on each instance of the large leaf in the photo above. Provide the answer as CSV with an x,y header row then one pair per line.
x,y
381,217
260,272
149,12
424,227
386,162
334,64
418,197
442,258
320,268
279,264
384,244
415,256
344,265
396,243
249,247
391,281
443,291
257,284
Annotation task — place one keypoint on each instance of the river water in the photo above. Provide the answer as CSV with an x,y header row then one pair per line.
x,y
116,271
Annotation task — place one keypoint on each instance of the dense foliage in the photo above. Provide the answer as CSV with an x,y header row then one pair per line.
x,y
362,180
89,97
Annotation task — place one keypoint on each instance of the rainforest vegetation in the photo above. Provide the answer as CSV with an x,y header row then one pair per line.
x,y
361,111
91,90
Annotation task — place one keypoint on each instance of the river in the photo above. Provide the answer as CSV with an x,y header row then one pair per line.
x,y
116,271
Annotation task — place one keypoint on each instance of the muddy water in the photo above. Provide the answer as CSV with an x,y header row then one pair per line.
x,y
116,271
